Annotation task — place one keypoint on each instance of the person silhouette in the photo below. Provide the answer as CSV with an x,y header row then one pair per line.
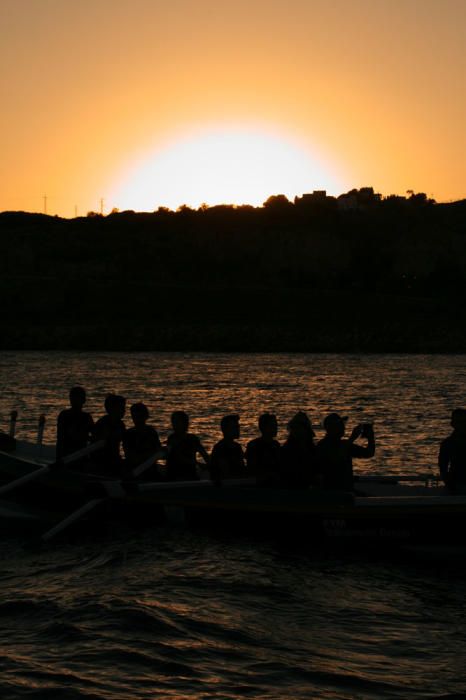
x,y
263,453
452,454
182,450
335,454
297,454
111,429
141,441
227,460
74,426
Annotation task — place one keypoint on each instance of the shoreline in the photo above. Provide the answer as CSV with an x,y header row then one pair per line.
x,y
222,339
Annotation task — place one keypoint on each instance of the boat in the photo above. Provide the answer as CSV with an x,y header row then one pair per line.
x,y
392,510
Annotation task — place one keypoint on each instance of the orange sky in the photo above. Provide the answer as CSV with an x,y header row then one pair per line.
x,y
373,91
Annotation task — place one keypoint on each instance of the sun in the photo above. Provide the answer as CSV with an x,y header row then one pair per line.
x,y
221,166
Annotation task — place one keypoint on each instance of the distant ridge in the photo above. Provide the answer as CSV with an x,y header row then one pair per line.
x,y
370,274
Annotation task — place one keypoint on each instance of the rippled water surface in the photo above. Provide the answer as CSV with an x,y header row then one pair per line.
x,y
409,398
168,613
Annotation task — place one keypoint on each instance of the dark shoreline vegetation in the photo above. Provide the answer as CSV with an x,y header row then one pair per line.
x,y
358,273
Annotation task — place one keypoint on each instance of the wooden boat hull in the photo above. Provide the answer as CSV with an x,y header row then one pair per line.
x,y
406,515
319,516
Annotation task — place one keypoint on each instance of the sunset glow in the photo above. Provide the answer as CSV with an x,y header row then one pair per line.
x,y
98,97
221,165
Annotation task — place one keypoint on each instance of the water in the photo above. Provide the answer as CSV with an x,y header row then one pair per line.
x,y
170,613
408,397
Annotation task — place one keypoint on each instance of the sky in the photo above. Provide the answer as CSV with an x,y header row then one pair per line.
x,y
142,103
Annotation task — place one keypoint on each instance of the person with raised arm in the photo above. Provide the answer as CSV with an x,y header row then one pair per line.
x,y
74,426
182,450
111,429
452,454
297,454
263,453
335,454
227,459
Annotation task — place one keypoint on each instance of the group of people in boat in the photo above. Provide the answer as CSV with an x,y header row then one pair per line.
x,y
300,462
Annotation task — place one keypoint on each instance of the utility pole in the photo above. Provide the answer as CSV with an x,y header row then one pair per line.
x,y
75,211
45,203
102,206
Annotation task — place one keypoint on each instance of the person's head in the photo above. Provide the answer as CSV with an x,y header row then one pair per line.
x,y
139,414
458,419
300,426
77,397
334,425
229,426
115,405
268,425
180,422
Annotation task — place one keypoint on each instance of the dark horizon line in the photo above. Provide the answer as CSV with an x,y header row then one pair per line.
x,y
315,196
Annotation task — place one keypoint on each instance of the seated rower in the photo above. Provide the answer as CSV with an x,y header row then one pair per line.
x,y
452,454
141,441
74,426
111,429
335,455
227,461
182,450
263,453
297,455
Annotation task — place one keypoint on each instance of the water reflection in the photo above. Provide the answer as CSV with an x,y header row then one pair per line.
x,y
409,398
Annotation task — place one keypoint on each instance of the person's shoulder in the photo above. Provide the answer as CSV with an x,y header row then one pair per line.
x,y
103,420
101,426
63,415
153,435
129,435
256,442
193,438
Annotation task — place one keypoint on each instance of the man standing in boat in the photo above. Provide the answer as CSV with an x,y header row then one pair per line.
x,y
335,454
452,454
74,426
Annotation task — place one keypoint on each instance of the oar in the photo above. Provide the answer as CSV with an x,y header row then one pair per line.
x,y
90,505
13,419
137,471
50,467
40,432
70,519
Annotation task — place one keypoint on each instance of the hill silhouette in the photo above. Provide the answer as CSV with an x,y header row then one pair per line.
x,y
356,273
